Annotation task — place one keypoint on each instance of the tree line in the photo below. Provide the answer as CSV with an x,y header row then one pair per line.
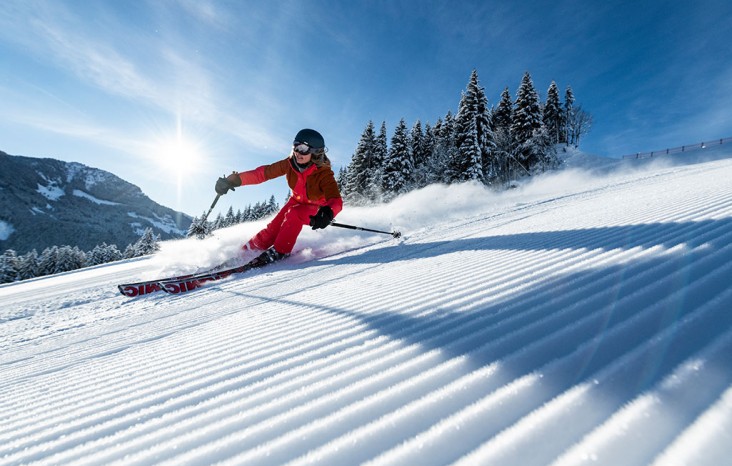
x,y
481,143
202,228
57,259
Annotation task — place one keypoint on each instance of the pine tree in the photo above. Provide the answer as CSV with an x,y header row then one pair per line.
x,y
465,163
527,111
378,159
527,118
462,164
130,252
199,228
503,115
484,132
474,136
359,170
398,165
541,149
9,267
230,218
147,244
444,150
113,253
47,261
568,111
415,140
272,206
219,222
422,172
553,114
28,265
98,255
343,181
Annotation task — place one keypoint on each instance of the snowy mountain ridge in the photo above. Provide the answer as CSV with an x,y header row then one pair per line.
x,y
47,202
582,318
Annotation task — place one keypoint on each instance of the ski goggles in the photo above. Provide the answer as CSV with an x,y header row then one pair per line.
x,y
302,148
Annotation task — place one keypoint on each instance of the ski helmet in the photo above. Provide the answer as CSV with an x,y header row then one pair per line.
x,y
310,137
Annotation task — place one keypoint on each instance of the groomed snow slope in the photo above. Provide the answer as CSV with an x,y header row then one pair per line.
x,y
580,319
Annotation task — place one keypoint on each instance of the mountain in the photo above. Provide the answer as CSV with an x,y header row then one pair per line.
x,y
581,318
46,202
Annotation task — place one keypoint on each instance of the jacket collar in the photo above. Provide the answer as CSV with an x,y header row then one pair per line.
x,y
311,167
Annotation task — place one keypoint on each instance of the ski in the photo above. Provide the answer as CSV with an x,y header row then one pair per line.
x,y
135,289
148,286
185,284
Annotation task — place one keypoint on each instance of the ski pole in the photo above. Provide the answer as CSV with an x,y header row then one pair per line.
x,y
395,234
203,219
199,229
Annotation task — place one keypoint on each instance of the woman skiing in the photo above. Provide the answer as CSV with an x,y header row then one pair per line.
x,y
315,199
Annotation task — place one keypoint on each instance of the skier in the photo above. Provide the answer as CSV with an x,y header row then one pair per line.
x,y
315,199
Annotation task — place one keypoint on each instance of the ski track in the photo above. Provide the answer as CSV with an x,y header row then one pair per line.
x,y
586,327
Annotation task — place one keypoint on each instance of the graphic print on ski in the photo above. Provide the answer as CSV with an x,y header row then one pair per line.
x,y
133,290
184,283
196,281
179,284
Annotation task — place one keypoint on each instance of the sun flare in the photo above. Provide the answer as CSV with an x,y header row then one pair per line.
x,y
177,154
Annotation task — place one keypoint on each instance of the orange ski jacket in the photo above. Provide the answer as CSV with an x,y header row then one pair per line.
x,y
313,185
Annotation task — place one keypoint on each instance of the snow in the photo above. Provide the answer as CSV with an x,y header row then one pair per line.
x,y
52,192
6,230
582,318
165,224
82,194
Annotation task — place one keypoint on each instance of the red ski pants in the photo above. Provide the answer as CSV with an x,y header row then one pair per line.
x,y
283,230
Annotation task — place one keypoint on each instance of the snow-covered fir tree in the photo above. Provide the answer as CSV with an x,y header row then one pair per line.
x,y
9,266
473,136
69,258
540,149
359,170
417,150
342,181
378,158
483,129
527,118
28,265
199,228
147,244
230,218
465,163
502,117
444,150
398,165
426,150
47,261
527,115
553,115
568,111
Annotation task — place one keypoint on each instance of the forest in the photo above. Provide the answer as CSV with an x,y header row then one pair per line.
x,y
493,145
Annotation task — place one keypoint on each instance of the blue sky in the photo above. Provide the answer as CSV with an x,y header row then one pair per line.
x,y
169,95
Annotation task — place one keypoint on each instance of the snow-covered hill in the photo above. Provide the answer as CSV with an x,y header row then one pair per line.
x,y
75,205
584,318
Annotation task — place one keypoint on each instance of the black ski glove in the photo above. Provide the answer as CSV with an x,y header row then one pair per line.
x,y
322,219
223,185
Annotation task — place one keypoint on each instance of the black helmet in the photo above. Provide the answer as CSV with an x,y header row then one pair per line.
x,y
310,137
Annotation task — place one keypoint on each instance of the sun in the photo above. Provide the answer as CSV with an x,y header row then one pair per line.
x,y
178,154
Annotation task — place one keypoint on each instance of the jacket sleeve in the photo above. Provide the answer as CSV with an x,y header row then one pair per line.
x,y
332,194
264,173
